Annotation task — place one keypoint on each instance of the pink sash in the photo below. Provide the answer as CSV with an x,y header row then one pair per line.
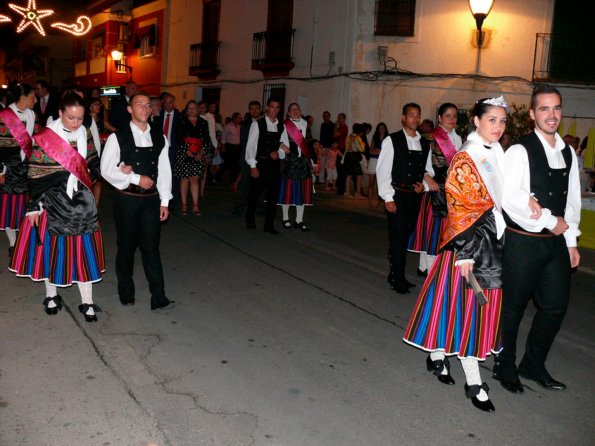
x,y
446,145
59,150
296,134
17,130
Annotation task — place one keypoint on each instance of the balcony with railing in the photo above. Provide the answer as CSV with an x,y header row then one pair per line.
x,y
204,60
272,52
564,59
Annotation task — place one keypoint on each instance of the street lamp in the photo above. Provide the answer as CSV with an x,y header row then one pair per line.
x,y
480,10
120,62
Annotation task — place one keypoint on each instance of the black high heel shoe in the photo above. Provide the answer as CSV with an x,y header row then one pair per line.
x,y
437,367
473,391
83,308
52,310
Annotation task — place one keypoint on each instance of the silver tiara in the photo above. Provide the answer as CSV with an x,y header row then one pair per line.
x,y
499,101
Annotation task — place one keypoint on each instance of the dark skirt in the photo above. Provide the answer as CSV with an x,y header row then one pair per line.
x,y
428,229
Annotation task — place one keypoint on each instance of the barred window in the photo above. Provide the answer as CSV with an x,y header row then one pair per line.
x,y
395,18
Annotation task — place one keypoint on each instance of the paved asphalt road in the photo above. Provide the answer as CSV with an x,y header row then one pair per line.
x,y
286,340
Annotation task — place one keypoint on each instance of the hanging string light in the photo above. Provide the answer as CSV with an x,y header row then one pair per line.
x,y
81,27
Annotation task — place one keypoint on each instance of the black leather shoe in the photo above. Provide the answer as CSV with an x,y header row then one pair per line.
x,y
164,304
84,308
437,367
421,273
473,391
510,381
409,284
301,226
271,231
127,301
548,382
54,310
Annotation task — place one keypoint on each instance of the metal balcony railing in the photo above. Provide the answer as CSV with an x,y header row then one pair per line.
x,y
204,59
273,50
563,58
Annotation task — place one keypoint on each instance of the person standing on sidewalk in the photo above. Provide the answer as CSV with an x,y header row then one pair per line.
x,y
135,161
267,143
539,253
403,172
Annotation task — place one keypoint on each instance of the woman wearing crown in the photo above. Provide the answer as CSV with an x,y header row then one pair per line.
x,y
448,319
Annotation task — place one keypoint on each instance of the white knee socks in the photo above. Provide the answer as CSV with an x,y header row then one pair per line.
x,y
425,261
299,211
12,236
50,291
86,290
471,369
285,209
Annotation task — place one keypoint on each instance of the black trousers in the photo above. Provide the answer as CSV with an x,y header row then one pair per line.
x,y
138,225
268,180
340,183
231,159
400,227
241,200
539,268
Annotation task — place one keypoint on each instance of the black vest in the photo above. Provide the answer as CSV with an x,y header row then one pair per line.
x,y
409,166
268,142
144,160
550,186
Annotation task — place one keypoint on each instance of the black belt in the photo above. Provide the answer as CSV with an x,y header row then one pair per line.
x,y
404,187
531,234
138,191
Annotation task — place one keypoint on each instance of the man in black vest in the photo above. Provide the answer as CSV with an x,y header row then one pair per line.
x,y
267,143
135,161
540,252
241,200
403,172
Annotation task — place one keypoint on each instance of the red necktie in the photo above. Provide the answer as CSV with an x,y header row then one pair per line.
x,y
43,105
166,126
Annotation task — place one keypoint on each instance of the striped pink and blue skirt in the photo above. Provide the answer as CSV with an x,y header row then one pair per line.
x,y
448,318
12,210
428,229
296,192
61,259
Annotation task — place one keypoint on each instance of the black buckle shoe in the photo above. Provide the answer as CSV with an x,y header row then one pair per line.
x,y
473,391
287,224
301,226
436,367
53,310
421,273
83,308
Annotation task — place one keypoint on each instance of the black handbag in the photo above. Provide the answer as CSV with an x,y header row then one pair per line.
x,y
439,208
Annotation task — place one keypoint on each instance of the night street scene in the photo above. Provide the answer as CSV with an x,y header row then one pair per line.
x,y
279,223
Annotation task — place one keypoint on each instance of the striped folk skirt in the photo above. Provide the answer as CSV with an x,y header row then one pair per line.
x,y
448,318
428,229
296,192
62,259
12,210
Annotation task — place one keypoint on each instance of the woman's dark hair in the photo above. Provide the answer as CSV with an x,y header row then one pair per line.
x,y
480,109
442,109
292,104
376,141
191,101
71,100
15,91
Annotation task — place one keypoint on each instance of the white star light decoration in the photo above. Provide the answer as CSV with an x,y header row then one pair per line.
x,y
31,17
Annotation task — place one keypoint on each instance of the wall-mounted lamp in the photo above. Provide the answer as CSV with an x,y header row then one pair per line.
x,y
119,61
480,10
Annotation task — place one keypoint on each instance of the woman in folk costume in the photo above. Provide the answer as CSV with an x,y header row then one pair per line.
x,y
432,214
17,122
448,319
60,242
296,175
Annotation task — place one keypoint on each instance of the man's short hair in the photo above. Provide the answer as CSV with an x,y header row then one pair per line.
x,y
543,89
252,103
140,93
409,105
273,99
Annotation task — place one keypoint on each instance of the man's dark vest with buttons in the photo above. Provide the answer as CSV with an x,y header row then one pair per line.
x,y
144,160
549,186
409,166
268,142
